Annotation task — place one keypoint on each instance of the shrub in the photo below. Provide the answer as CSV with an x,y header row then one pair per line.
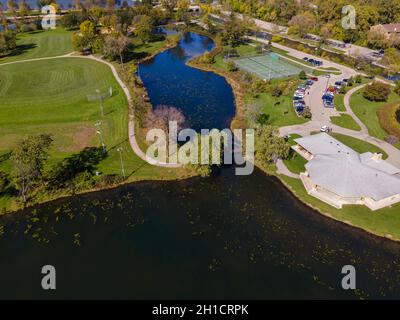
x,y
302,75
388,119
397,89
276,91
358,78
3,181
350,82
307,113
207,58
377,91
276,39
28,27
342,90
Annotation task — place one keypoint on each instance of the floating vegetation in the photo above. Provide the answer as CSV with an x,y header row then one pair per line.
x,y
77,239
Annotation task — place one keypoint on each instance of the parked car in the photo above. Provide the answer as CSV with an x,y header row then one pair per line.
x,y
305,59
310,82
314,78
338,83
297,98
325,129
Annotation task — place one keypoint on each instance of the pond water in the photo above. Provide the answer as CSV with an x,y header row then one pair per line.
x,y
206,99
220,237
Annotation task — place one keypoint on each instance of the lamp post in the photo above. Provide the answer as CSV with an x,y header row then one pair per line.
x,y
98,131
101,102
122,162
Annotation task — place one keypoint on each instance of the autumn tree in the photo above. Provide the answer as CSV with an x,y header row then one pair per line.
x,y
303,23
115,46
377,91
23,8
7,42
169,5
28,159
86,38
11,6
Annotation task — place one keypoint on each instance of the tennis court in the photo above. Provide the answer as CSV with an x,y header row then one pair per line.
x,y
268,66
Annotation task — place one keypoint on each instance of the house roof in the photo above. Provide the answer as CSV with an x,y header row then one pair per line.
x,y
323,143
347,176
347,173
392,27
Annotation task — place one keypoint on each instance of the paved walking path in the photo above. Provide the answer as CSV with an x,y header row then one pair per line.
x,y
131,122
349,111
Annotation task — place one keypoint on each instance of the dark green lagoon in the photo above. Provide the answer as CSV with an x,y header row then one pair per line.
x,y
221,237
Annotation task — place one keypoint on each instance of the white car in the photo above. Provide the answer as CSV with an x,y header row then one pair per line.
x,y
326,129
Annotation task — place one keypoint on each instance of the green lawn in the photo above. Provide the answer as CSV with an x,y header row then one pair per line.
x,y
346,121
295,163
280,110
366,111
383,222
358,145
144,49
339,102
39,44
51,97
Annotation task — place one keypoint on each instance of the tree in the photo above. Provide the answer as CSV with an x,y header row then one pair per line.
x,y
307,113
86,38
302,75
233,30
377,37
7,42
397,88
143,28
268,145
161,116
11,6
391,59
303,23
110,4
28,159
115,46
377,91
71,20
169,5
23,8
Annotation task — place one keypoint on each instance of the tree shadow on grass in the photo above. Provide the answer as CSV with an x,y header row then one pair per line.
x,y
71,167
21,49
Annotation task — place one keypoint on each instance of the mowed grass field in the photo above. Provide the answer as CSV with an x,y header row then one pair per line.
x,y
40,44
51,96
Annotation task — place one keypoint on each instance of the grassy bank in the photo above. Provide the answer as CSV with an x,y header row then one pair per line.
x,y
384,222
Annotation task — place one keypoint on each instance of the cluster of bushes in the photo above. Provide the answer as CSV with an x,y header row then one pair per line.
x,y
377,91
284,87
29,27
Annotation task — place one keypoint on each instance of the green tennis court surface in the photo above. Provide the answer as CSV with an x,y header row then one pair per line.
x,y
268,66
